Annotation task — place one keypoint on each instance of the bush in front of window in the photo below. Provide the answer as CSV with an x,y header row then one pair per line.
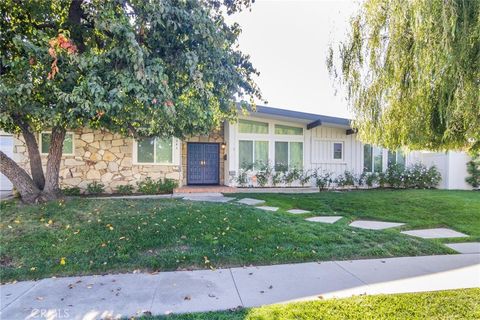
x,y
167,185
323,179
95,188
263,174
277,178
305,177
125,189
242,178
291,176
71,191
395,175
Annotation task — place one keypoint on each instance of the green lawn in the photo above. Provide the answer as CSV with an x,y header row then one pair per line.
x,y
98,236
453,304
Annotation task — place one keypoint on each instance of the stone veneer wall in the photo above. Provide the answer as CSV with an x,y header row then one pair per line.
x,y
216,136
100,156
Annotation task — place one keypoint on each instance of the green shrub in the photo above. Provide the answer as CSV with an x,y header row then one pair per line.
x,y
420,177
71,191
147,186
305,177
95,188
322,179
277,178
473,169
291,176
395,175
150,186
167,186
371,178
125,189
263,174
242,178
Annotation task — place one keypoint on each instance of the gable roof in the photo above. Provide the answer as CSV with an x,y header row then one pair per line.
x,y
311,118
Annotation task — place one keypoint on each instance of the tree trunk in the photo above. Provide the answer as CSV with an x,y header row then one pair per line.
x,y
51,190
33,154
19,178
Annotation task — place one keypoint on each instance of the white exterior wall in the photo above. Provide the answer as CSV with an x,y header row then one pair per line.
x,y
321,141
452,165
317,147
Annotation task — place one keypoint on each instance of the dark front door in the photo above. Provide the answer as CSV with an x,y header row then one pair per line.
x,y
203,163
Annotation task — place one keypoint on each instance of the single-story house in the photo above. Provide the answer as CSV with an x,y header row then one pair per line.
x,y
283,138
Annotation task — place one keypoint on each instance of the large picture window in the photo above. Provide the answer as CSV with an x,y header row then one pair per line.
x,y
372,158
155,151
288,130
46,140
288,155
249,126
252,154
396,157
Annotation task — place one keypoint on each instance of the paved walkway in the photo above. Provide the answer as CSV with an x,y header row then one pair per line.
x,y
124,295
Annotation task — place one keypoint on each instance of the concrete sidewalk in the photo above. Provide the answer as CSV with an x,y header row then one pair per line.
x,y
123,295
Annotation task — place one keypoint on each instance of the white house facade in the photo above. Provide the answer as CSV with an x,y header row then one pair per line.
x,y
282,138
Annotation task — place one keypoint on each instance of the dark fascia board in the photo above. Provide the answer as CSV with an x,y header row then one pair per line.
x,y
351,131
301,115
314,124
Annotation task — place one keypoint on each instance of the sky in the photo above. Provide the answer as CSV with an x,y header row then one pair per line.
x,y
288,43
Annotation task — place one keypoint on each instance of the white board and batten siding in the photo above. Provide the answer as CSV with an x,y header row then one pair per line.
x,y
317,147
321,157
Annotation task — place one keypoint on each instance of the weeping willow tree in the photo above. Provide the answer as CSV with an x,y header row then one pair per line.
x,y
411,69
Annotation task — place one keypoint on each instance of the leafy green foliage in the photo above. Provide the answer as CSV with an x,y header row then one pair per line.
x,y
323,179
71,191
95,188
142,68
150,186
125,189
473,169
411,70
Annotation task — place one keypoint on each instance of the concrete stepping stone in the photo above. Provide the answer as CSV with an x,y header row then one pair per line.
x,y
465,247
298,211
435,233
266,208
325,219
374,225
250,201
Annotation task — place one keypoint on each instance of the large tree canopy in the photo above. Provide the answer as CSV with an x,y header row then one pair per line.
x,y
140,68
412,73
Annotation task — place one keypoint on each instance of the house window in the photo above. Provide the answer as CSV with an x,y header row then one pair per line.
x,y
249,126
288,155
46,140
155,150
337,150
396,157
372,158
252,154
287,130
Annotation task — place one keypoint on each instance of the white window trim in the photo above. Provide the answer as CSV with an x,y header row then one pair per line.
x,y
63,154
175,158
342,159
253,151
